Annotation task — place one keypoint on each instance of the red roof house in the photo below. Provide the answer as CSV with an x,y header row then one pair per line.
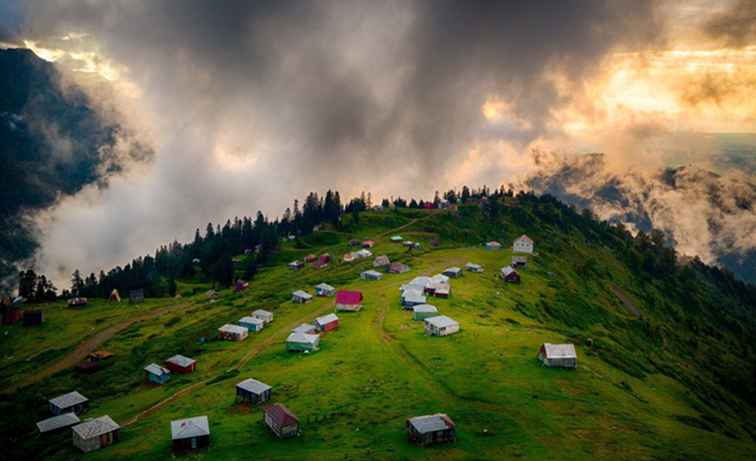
x,y
347,300
281,420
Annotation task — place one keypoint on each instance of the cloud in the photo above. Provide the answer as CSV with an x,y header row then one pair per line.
x,y
736,26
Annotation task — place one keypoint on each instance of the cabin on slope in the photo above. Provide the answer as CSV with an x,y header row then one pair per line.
x,y
519,261
398,268
301,297
510,275
303,342
472,267
253,391
73,402
181,364
453,272
231,332
371,275
306,328
493,245
523,244
558,355
96,433
296,265
190,434
57,422
156,374
430,429
412,297
324,290
252,323
348,300
441,325
265,316
424,311
326,323
281,421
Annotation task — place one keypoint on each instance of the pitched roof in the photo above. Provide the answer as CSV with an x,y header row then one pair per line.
x,y
96,427
234,329
253,385
418,283
190,427
252,320
302,294
281,415
56,422
381,260
425,308
181,360
68,400
348,297
505,271
431,423
298,337
324,287
156,369
328,318
493,243
524,238
441,321
560,351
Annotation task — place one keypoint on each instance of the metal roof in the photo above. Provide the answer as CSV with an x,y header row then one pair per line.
x,y
453,270
524,238
372,273
235,329
328,318
508,270
324,287
68,400
431,423
252,320
560,351
425,308
303,338
440,278
96,427
254,386
190,427
181,361
473,266
441,321
413,296
56,422
304,328
156,369
261,313
302,294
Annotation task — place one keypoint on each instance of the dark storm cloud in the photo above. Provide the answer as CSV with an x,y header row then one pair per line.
x,y
736,26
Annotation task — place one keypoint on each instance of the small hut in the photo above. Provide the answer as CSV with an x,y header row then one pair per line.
x,y
453,272
302,342
348,300
136,296
350,257
57,422
281,421
265,316
440,325
324,289
95,434
442,290
371,275
519,261
412,297
73,402
33,317
296,265
523,244
156,374
181,364
252,323
252,391
190,434
233,332
430,429
424,311
381,261
558,355
326,323
398,268
368,244
115,296
301,297
77,301
310,258
363,253
472,267
510,275
305,328
493,245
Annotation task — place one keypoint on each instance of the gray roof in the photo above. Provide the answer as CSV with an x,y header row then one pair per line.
x,y
328,318
303,338
324,287
453,270
473,266
304,328
382,260
507,270
156,369
363,253
425,308
430,423
441,321
68,400
560,351
262,313
56,422
235,329
252,320
372,273
190,427
413,296
96,427
418,283
254,386
439,278
301,294
181,361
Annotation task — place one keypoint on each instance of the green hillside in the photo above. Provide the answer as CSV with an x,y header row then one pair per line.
x,y
666,354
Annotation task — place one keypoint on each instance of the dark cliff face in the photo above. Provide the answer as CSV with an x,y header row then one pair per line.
x,y
52,143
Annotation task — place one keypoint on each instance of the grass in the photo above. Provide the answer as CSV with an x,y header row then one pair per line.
x,y
354,395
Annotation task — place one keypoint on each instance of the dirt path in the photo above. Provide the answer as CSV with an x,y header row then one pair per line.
x,y
86,347
626,301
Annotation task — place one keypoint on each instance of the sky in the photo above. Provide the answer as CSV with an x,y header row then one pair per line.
x,y
248,105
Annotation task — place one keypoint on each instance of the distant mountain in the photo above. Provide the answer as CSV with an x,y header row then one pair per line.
x,y
703,214
52,143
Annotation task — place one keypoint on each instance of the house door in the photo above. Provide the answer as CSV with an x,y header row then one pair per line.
x,y
194,442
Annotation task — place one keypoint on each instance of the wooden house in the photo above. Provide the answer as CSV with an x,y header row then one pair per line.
x,y
190,434
73,402
440,325
156,374
430,429
231,332
252,323
453,272
523,244
265,316
303,342
252,391
324,289
95,434
472,267
136,296
301,297
180,364
493,245
424,311
296,265
57,422
326,323
558,355
381,261
281,421
510,275
348,300
371,275
33,317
